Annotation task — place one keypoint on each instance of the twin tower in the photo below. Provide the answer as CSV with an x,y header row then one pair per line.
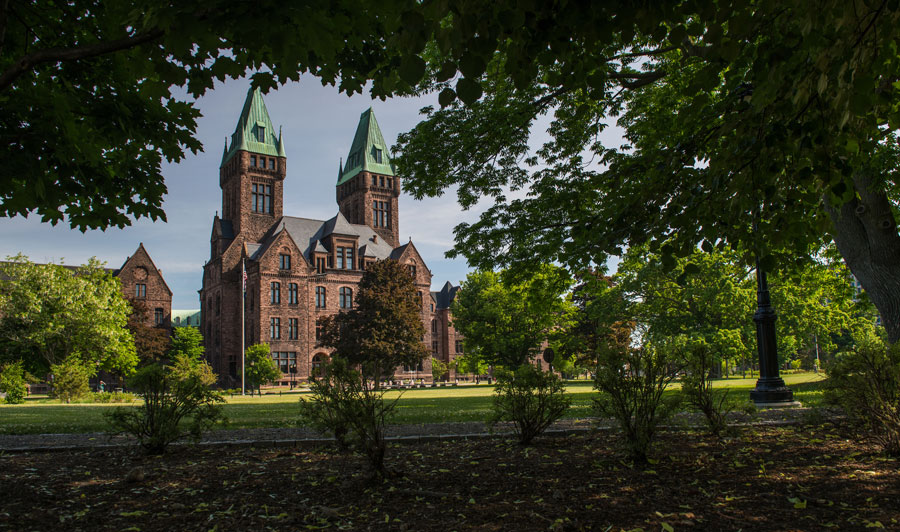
x,y
289,272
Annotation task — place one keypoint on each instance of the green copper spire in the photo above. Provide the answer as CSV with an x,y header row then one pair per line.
x,y
368,152
254,132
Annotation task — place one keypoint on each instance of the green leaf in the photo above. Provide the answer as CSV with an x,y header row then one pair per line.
x,y
412,68
667,527
471,65
446,97
468,91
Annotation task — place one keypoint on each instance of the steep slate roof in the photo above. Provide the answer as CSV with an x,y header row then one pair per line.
x,y
308,235
361,156
446,296
254,131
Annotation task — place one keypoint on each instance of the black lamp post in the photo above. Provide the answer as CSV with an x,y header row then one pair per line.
x,y
770,388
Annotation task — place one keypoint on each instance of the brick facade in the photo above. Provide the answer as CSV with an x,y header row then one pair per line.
x,y
298,270
142,281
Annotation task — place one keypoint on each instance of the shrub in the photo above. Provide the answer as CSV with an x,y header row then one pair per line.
x,y
532,399
178,401
350,407
439,369
866,384
70,379
12,382
112,397
631,382
696,385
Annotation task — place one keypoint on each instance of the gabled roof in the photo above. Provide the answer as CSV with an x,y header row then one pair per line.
x,y
139,254
362,155
446,296
339,225
254,131
308,235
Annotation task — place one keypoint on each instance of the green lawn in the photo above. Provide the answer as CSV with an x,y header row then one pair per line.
x,y
426,405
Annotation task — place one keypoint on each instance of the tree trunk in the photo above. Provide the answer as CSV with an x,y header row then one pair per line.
x,y
866,236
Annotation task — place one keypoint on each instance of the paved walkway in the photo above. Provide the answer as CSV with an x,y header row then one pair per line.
x,y
399,433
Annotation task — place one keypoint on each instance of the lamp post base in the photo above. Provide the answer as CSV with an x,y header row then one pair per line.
x,y
772,392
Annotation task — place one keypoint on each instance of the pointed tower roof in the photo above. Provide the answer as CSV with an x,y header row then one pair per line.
x,y
368,152
254,131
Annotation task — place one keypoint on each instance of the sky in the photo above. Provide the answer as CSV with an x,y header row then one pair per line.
x,y
318,124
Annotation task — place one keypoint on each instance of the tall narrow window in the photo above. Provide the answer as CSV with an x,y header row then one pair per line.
x,y
320,297
275,328
253,161
349,255
320,264
276,293
434,326
261,134
346,297
293,298
380,215
374,181
340,258
271,164
158,316
376,154
293,329
412,270
459,346
285,262
140,290
261,198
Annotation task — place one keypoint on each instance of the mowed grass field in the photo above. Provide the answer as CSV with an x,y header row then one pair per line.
x,y
423,405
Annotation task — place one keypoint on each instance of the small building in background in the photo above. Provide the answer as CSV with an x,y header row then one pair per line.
x,y
186,318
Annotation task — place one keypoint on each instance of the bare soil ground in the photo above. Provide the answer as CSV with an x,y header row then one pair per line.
x,y
767,478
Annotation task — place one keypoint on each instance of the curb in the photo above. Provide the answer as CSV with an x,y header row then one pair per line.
x,y
409,439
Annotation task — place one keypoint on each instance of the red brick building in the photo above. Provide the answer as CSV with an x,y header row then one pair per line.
x,y
143,283
299,270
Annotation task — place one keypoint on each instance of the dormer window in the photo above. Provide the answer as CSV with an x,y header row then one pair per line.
x,y
260,133
376,154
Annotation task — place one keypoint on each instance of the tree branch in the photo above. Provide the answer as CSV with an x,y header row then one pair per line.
x,y
28,61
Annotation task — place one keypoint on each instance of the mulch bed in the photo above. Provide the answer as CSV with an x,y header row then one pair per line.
x,y
767,478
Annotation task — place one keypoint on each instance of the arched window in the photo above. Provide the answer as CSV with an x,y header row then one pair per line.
x,y
346,297
318,360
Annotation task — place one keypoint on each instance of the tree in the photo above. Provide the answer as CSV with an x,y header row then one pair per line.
x,y
71,379
749,124
187,342
12,382
49,313
505,320
384,328
150,343
260,368
382,331
89,110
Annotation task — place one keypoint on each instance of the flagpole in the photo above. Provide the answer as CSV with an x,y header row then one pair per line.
x,y
243,322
